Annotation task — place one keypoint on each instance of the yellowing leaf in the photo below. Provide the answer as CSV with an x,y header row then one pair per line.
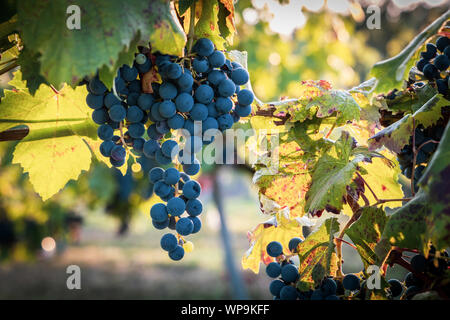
x,y
280,229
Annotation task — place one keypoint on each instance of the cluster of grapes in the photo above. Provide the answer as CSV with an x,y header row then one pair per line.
x,y
286,275
424,271
434,66
423,138
198,92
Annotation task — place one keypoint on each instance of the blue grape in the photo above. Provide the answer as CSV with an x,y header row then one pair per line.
x,y
145,101
136,130
93,101
274,248
135,89
351,282
184,226
184,102
106,147
212,110
176,122
199,112
145,67
132,98
162,127
273,269
154,112
191,168
118,153
138,144
203,47
161,158
97,87
185,81
225,121
396,287
177,253
167,109
153,133
215,77
200,65
159,212
156,174
210,123
239,76
293,244
117,112
194,207
134,114
224,105
117,163
169,148
169,242
150,148
174,71
167,91
105,132
171,176
204,94
328,287
172,223
419,263
245,97
160,225
170,195
189,126
191,189
110,100
317,295
442,62
289,273
275,287
128,73
176,206
227,88
442,43
288,293
197,224
243,111
161,189
216,59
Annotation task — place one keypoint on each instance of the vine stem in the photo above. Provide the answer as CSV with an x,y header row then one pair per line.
x,y
381,201
121,135
9,68
368,186
190,35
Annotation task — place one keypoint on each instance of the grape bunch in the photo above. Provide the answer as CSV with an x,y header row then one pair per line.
x,y
425,148
434,64
189,99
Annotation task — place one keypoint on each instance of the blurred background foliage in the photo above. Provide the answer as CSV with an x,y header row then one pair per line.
x,y
101,223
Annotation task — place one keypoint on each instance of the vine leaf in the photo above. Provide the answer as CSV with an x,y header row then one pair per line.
x,y
107,26
30,68
391,72
382,175
317,98
436,183
406,227
317,256
226,20
279,228
54,151
365,233
208,24
332,174
398,134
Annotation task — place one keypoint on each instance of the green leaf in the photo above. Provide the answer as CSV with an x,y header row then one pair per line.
x,y
317,257
30,68
319,100
436,183
365,233
54,151
332,173
406,227
107,26
391,72
207,26
398,134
